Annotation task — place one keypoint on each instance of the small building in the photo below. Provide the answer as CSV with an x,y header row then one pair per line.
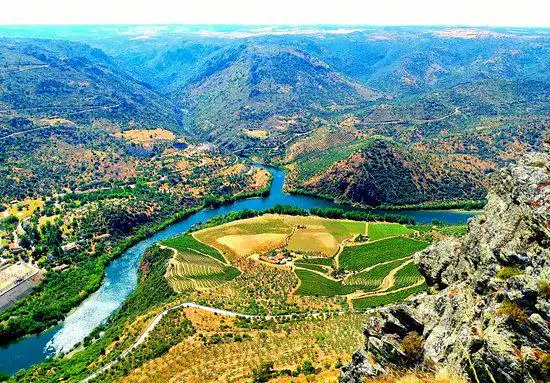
x,y
279,259
69,247
61,267
15,248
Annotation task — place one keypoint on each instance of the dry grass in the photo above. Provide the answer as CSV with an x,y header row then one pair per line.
x,y
247,244
259,234
321,235
324,342
146,136
259,134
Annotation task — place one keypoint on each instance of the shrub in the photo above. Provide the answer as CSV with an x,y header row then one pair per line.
x,y
411,345
544,289
264,373
544,362
508,272
512,310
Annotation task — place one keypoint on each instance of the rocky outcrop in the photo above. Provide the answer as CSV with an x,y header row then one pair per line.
x,y
488,313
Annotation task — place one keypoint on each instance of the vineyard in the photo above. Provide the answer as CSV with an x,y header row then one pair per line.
x,y
328,258
360,257
382,230
366,273
196,266
371,278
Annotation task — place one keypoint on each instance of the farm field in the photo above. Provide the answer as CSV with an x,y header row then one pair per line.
x,y
245,237
320,235
217,263
196,266
381,230
360,257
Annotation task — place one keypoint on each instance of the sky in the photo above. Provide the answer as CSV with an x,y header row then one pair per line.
x,y
527,13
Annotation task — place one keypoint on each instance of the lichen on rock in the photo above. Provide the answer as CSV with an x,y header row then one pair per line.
x,y
488,319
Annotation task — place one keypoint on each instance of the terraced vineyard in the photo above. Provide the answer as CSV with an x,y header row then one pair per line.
x,y
385,299
381,230
312,283
371,278
359,257
196,266
407,276
370,271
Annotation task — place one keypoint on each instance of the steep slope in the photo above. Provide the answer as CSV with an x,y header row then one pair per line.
x,y
488,319
245,86
61,79
385,172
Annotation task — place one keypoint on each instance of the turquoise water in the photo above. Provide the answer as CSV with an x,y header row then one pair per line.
x,y
121,276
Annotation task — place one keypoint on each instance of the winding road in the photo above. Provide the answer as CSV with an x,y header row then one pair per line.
x,y
209,309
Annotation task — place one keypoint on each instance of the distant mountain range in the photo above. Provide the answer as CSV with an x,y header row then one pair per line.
x,y
370,115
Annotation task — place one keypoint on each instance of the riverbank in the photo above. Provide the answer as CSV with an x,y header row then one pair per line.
x,y
90,272
460,205
121,278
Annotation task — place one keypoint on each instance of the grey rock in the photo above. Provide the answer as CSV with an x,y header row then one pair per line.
x,y
486,328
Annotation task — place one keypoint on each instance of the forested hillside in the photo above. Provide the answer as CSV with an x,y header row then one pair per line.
x,y
449,104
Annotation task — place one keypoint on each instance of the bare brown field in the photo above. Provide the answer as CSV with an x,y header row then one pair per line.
x,y
259,134
260,234
247,244
145,136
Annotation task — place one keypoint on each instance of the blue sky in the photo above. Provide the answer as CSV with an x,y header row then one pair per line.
x,y
367,12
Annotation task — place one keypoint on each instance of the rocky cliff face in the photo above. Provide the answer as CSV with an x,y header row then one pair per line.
x,y
488,314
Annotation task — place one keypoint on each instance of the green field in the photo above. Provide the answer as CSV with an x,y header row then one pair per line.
x,y
407,276
317,285
196,266
369,280
311,266
384,230
360,257
183,242
381,300
317,261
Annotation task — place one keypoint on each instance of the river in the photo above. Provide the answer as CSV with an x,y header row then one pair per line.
x,y
121,276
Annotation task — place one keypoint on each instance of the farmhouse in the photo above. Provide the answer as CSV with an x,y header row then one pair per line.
x,y
279,259
69,247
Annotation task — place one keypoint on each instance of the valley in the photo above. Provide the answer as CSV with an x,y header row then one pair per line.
x,y
233,204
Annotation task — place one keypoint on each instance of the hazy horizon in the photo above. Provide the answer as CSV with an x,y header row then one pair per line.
x,y
471,13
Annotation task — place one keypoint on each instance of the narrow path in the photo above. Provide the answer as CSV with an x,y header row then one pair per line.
x,y
389,280
23,69
212,310
419,121
15,134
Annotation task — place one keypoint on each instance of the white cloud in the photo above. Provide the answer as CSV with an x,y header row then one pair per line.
x,y
367,12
